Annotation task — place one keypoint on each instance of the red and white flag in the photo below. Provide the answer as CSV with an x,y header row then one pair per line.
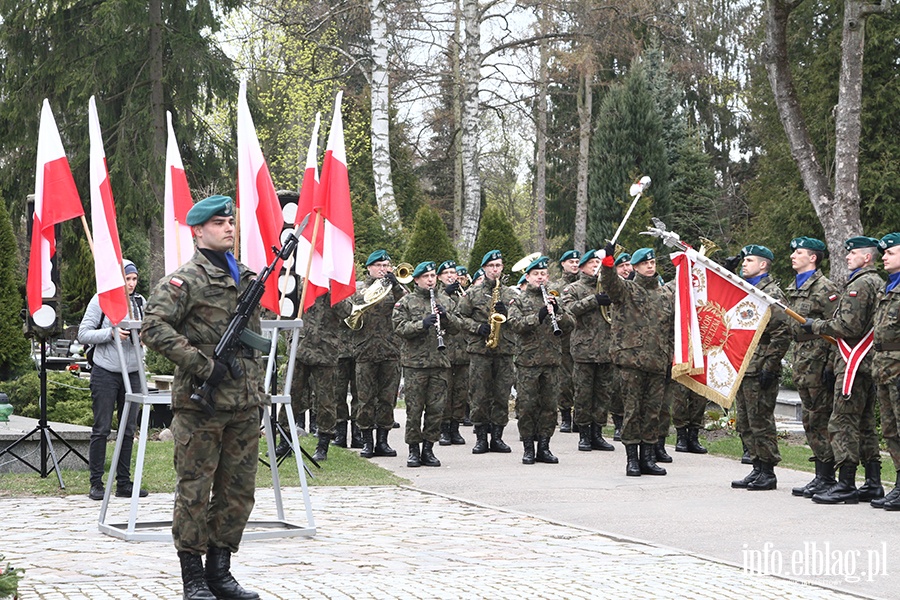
x,y
334,191
719,319
55,200
178,240
261,220
318,281
107,249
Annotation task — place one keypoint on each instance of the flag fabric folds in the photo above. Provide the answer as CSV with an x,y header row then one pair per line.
x,y
178,241
307,261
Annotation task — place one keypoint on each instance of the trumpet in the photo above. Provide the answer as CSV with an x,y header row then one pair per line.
x,y
554,320
496,319
437,325
404,273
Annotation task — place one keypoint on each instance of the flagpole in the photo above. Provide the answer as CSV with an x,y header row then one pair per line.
x,y
312,249
87,232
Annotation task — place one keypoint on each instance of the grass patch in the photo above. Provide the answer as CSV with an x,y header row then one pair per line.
x,y
344,467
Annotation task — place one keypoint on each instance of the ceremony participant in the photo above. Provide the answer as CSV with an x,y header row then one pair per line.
x,y
458,394
477,278
522,284
623,265
569,264
851,426
421,326
886,362
345,380
814,296
593,374
491,370
756,396
624,269
642,329
108,387
688,409
377,353
538,361
215,456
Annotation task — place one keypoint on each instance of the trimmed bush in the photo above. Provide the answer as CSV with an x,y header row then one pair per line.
x,y
495,233
429,239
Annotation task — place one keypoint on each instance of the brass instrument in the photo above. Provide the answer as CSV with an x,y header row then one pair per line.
x,y
404,273
523,263
554,321
372,296
708,247
437,324
496,319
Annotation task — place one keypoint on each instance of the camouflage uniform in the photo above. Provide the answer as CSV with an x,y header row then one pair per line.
x,y
886,369
566,384
813,355
215,457
345,377
688,407
458,392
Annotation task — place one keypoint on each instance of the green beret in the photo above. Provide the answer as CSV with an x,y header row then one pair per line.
x,y
622,258
423,267
860,241
757,250
521,280
477,274
570,254
538,263
889,241
492,255
461,270
377,256
808,243
586,257
206,209
447,264
642,254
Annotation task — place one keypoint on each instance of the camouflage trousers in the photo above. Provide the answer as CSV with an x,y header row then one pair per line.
x,y
377,384
425,392
346,377
566,385
854,438
616,406
688,407
458,394
491,377
665,410
755,421
642,394
817,404
320,380
593,383
215,466
889,399
536,400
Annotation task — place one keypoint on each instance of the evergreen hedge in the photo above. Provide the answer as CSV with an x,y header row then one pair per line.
x,y
15,351
495,233
429,239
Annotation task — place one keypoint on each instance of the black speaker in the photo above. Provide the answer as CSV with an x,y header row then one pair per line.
x,y
288,283
47,321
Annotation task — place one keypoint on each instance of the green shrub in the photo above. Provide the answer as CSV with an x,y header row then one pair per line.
x,y
495,233
68,397
429,239
158,364
15,351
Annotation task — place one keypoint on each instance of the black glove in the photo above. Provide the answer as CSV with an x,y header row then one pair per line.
x,y
484,330
603,299
500,307
390,278
732,262
441,310
542,314
452,288
766,379
220,370
829,378
807,326
429,320
610,249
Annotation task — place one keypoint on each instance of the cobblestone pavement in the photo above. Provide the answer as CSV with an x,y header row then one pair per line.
x,y
385,542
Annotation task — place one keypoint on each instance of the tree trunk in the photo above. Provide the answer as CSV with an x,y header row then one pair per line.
x,y
540,159
458,197
471,73
158,113
584,98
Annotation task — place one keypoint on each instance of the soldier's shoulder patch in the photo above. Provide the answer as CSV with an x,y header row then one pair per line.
x,y
853,293
833,297
176,281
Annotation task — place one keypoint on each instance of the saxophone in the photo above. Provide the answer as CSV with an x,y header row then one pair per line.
x,y
496,319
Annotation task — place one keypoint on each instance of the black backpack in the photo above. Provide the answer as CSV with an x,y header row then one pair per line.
x,y
89,351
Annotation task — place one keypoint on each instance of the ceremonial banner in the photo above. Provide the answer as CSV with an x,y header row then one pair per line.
x,y
178,240
719,319
318,281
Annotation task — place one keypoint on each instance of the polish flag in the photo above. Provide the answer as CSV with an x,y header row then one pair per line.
x,y
107,250
334,198
318,281
179,243
55,200
261,219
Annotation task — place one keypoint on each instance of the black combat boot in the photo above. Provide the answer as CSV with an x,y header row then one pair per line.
x,y
528,457
565,425
597,441
497,443
647,460
681,439
742,484
660,451
467,418
892,499
632,465
815,482
428,457
415,458
872,488
543,454
481,441
219,578
356,440
321,452
284,447
584,439
746,459
826,480
694,445
843,491
195,587
313,429
617,425
340,436
381,444
445,434
766,479
368,449
455,438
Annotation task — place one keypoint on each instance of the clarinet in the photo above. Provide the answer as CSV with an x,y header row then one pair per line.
x,y
553,320
437,324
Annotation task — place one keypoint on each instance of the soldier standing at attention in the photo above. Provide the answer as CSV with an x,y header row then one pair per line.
x,y
851,426
688,408
641,322
624,269
569,264
491,370
215,456
458,394
426,366
814,296
593,373
755,399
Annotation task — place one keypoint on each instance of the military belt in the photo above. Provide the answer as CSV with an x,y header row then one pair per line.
x,y
887,347
806,337
209,350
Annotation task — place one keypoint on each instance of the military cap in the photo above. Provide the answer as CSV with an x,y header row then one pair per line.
x,y
447,264
586,257
623,257
377,256
538,263
206,209
860,241
757,250
642,254
461,270
570,254
423,267
477,274
808,243
492,255
889,241
521,280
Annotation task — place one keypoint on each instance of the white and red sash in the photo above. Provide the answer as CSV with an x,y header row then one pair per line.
x,y
854,356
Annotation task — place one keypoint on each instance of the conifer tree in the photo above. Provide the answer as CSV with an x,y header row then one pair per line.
x,y
14,350
429,239
495,233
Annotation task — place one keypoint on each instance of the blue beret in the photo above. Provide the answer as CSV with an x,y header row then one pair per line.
x,y
477,274
447,264
570,254
423,267
642,254
492,255
206,209
860,241
622,258
586,257
808,243
461,270
377,256
538,263
757,250
889,241
521,280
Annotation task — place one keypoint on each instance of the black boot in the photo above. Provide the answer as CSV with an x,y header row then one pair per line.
x,y
617,424
694,445
800,491
742,484
543,454
826,480
467,420
681,439
368,449
321,452
584,439
428,457
565,425
356,440
219,578
647,460
632,465
381,444
872,488
445,434
746,459
313,429
195,587
481,442
892,499
597,441
340,436
528,457
415,458
766,480
284,447
660,450
455,438
843,491
497,443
